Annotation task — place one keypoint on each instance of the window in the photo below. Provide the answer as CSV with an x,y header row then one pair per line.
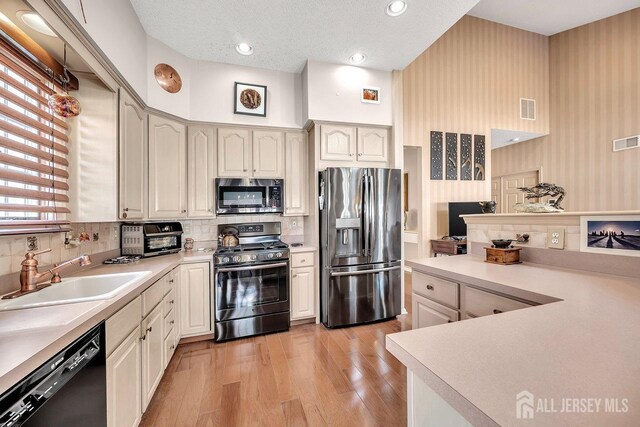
x,y
33,150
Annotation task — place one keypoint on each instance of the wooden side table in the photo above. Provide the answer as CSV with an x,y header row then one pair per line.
x,y
448,247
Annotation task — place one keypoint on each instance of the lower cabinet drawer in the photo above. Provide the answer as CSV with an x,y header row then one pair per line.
x,y
434,288
169,322
304,259
120,325
152,296
477,303
169,346
169,302
429,313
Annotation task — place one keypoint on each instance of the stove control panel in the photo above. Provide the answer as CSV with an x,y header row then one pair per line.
x,y
252,257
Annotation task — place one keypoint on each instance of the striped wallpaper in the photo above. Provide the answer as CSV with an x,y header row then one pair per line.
x,y
595,98
469,81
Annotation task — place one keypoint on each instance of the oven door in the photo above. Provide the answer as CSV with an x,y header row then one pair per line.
x,y
247,291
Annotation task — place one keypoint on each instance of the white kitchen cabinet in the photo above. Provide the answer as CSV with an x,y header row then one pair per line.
x,y
373,145
195,299
234,153
303,285
201,170
132,161
268,154
167,168
152,353
124,382
303,293
296,175
337,143
476,303
429,313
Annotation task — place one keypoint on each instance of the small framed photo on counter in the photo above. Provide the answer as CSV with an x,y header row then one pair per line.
x,y
370,95
250,99
610,234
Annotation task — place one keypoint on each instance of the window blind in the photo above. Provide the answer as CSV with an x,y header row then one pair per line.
x,y
33,150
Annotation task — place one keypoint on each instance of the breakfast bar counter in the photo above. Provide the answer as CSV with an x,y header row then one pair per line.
x,y
574,358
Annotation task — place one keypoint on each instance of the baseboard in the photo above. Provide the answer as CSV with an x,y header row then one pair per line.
x,y
197,338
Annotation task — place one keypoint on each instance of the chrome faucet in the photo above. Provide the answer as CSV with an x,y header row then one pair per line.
x,y
31,280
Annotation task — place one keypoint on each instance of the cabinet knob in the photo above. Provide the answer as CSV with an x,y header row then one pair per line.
x,y
149,329
430,287
496,311
172,346
172,302
295,275
144,337
449,321
184,211
350,154
171,281
126,209
172,322
124,215
359,154
244,170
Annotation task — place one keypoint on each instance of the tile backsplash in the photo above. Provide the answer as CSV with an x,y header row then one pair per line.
x,y
203,231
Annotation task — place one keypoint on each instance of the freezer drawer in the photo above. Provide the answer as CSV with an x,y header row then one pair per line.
x,y
361,294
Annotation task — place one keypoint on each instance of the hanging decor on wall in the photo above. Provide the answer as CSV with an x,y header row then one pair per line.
x,y
250,99
64,104
451,161
436,155
370,95
466,169
478,157
168,78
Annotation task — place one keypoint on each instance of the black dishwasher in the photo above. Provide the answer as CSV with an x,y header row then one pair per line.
x,y
68,390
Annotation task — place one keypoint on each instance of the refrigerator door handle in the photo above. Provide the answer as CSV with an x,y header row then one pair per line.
x,y
356,273
370,199
365,216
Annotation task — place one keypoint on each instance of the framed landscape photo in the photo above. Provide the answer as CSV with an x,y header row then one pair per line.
x,y
370,95
250,99
610,234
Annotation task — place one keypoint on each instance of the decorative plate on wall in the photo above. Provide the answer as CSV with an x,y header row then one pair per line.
x,y
250,99
168,78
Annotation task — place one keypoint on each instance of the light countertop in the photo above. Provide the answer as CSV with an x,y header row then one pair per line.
x,y
583,342
30,337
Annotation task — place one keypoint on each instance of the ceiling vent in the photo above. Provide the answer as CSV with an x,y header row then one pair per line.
x,y
527,109
626,143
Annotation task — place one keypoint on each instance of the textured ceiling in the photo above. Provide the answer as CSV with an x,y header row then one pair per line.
x,y
285,33
549,17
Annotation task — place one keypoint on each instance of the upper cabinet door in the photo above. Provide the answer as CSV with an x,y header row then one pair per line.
x,y
337,143
373,145
234,153
296,177
133,137
167,168
268,156
201,161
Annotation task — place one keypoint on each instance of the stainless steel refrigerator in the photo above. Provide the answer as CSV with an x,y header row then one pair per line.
x,y
360,238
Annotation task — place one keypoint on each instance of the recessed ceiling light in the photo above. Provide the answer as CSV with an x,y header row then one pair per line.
x,y
396,8
357,58
35,22
244,49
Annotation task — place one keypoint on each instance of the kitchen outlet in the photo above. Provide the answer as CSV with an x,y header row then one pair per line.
x,y
293,224
32,243
555,238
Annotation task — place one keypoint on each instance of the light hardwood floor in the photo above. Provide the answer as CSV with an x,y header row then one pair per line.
x,y
309,375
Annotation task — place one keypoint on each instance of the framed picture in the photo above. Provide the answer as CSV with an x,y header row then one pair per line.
x,y
613,235
250,99
370,95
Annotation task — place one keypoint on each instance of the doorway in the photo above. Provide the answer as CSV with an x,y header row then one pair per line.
x,y
504,189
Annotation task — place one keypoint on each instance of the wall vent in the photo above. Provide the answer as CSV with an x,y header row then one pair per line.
x,y
626,143
527,109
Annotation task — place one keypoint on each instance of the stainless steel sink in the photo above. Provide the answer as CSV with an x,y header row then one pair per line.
x,y
76,289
